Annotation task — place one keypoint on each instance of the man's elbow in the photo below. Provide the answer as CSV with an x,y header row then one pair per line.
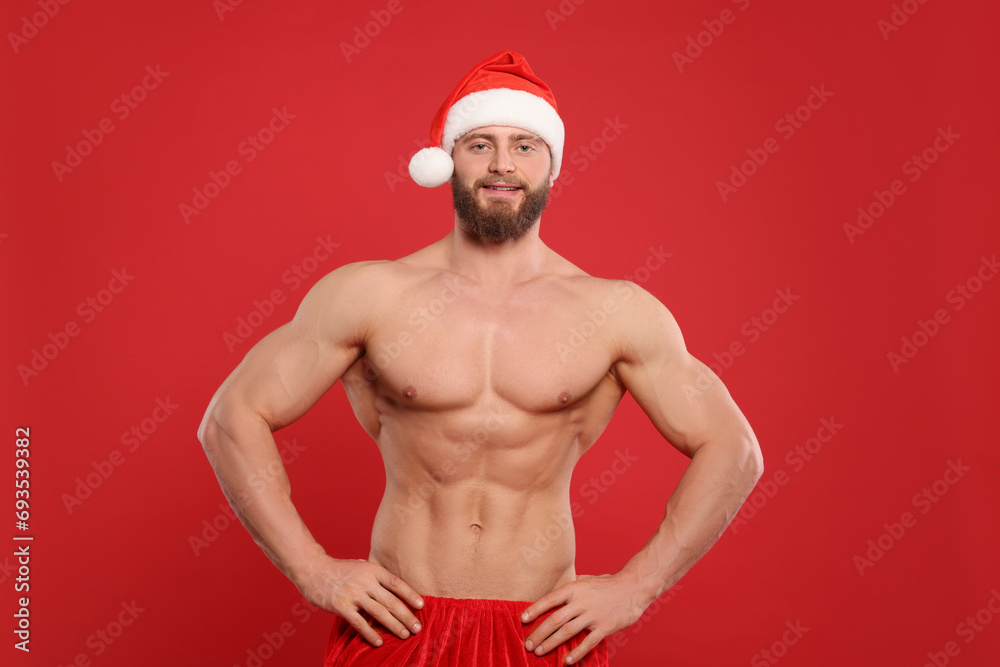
x,y
753,465
207,429
213,425
227,423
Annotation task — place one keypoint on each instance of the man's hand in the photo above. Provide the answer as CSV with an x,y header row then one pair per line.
x,y
349,588
600,605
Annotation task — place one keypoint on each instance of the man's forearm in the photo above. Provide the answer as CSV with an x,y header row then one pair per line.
x,y
710,492
242,451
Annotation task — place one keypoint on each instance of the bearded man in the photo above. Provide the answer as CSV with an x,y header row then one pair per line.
x,y
487,400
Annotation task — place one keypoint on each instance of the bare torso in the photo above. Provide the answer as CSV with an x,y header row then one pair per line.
x,y
481,404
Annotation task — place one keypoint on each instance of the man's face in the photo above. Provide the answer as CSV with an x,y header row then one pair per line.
x,y
501,182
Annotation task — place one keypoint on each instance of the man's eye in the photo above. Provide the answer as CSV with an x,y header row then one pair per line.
x,y
526,148
477,147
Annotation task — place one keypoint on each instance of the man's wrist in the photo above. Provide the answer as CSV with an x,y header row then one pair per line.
x,y
647,583
301,569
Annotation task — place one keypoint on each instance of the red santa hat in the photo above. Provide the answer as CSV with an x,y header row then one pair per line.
x,y
501,90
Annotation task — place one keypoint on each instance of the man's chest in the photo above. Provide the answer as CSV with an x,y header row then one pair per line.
x,y
539,353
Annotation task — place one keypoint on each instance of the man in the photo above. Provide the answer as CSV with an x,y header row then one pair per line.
x,y
457,363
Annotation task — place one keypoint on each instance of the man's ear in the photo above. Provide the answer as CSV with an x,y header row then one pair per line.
x,y
552,179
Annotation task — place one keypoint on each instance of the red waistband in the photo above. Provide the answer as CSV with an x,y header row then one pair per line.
x,y
456,632
484,604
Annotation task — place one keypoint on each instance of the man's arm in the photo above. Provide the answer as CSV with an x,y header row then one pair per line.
x,y
275,384
690,407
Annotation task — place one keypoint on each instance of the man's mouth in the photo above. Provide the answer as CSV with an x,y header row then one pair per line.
x,y
501,190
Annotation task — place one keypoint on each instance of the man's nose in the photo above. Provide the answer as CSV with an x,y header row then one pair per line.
x,y
502,163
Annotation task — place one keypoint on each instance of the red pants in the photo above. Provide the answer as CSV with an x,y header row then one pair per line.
x,y
455,633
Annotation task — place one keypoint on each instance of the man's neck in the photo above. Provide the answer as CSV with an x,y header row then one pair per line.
x,y
492,264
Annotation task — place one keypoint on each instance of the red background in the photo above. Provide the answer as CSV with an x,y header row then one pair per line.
x,y
332,172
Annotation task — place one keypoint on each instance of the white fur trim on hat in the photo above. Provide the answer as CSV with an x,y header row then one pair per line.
x,y
505,106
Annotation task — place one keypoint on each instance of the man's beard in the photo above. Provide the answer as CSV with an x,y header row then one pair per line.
x,y
498,221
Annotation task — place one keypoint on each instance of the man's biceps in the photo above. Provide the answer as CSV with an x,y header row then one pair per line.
x,y
690,388
667,370
291,346
688,369
282,359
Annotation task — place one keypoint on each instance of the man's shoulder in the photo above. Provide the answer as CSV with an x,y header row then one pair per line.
x,y
626,305
614,291
367,286
353,295
365,274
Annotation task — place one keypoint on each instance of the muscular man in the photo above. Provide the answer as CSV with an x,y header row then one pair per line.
x,y
483,394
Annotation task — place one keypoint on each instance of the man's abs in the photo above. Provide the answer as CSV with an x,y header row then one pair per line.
x,y
477,501
473,540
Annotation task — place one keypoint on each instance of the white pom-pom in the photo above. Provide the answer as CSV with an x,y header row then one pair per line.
x,y
431,167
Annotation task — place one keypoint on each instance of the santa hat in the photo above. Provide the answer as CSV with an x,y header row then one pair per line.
x,y
501,90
